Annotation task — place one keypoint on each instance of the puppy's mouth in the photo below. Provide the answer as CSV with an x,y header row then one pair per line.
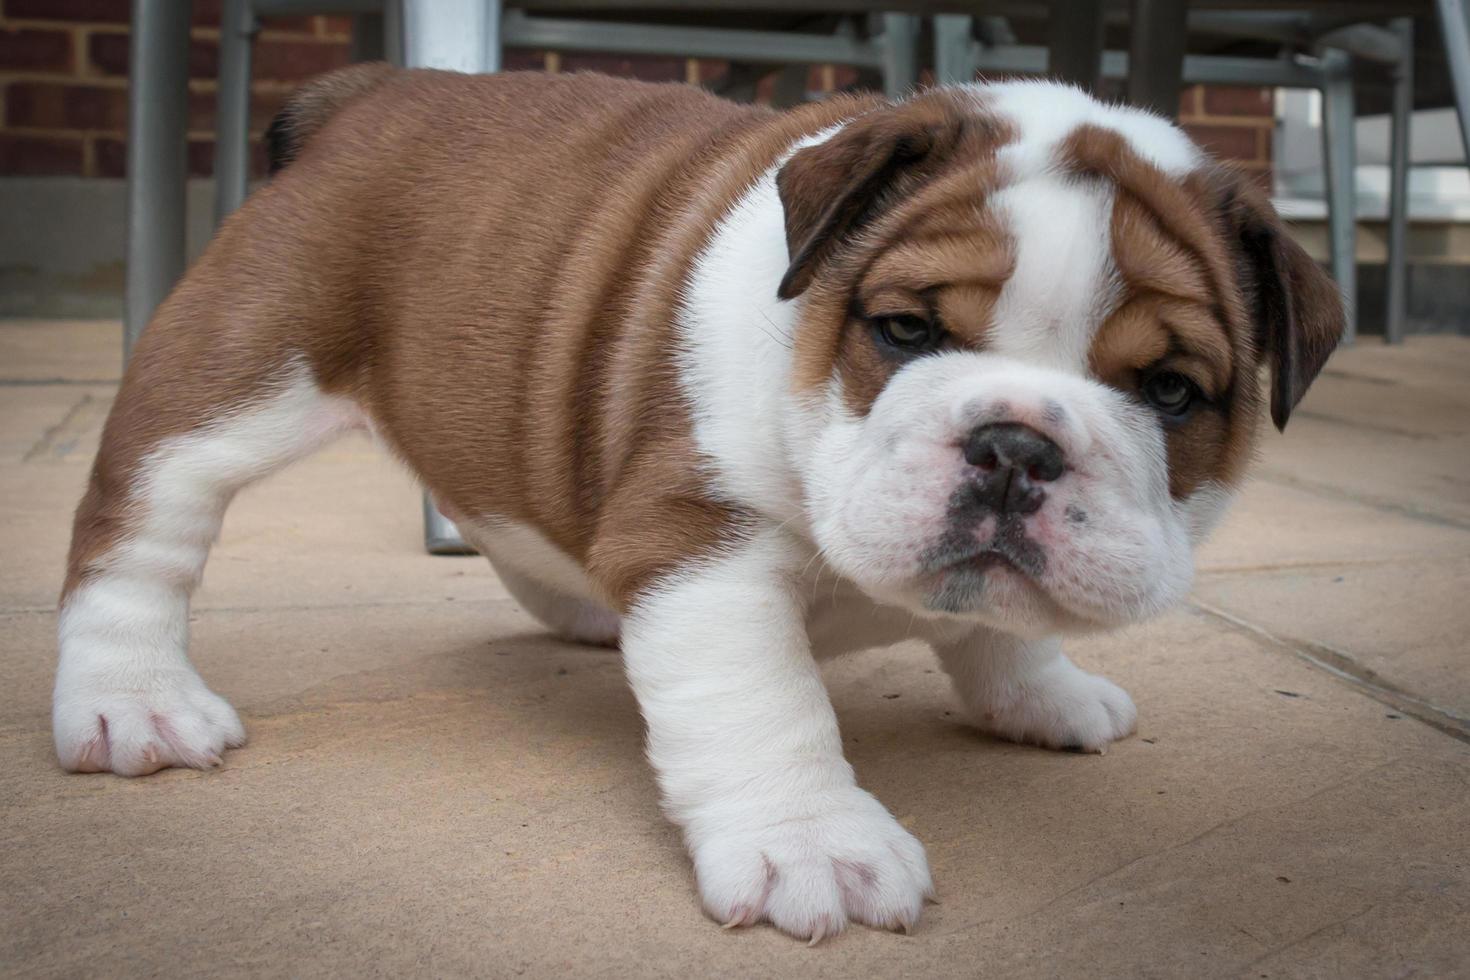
x,y
962,570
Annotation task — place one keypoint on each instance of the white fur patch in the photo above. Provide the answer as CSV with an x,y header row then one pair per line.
x,y
127,699
1044,113
749,760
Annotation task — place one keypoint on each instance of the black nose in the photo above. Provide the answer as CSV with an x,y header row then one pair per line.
x,y
1013,460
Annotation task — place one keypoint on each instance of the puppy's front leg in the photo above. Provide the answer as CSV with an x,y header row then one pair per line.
x,y
1028,691
745,745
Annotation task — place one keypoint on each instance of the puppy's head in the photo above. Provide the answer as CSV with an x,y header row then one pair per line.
x,y
1030,349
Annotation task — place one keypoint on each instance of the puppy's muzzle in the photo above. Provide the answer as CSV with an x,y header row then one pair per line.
x,y
1013,463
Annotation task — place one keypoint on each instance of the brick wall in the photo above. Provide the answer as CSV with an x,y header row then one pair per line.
x,y
1232,123
64,64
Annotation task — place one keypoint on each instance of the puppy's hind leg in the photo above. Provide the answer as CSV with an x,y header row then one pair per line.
x,y
173,454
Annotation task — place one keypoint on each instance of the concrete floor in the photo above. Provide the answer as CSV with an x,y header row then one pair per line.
x,y
434,787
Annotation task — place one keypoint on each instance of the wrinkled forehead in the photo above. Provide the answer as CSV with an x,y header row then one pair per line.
x,y
1085,209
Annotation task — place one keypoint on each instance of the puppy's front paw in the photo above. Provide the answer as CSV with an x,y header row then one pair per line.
x,y
1062,707
134,725
808,866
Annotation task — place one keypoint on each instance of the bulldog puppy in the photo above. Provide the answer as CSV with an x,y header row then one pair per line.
x,y
731,388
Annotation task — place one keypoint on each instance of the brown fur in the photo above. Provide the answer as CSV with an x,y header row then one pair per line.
x,y
1191,303
490,266
914,242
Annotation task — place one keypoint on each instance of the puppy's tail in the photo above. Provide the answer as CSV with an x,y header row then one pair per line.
x,y
313,104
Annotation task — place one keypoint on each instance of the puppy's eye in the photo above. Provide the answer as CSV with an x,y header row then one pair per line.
x,y
1170,393
907,333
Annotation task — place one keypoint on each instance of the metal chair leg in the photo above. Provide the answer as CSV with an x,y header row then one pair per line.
x,y
1398,184
232,116
900,54
1156,55
1075,44
954,42
369,37
158,95
1339,152
1454,24
460,35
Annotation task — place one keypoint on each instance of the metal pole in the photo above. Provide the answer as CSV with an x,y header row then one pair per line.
x,y
1156,54
1339,152
1075,43
900,54
232,115
1398,184
1394,322
157,159
953,61
458,35
369,37
1454,24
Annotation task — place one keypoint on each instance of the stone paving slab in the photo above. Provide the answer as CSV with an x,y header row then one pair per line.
x,y
434,787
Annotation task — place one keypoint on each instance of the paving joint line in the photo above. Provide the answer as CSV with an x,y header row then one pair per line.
x,y
1343,667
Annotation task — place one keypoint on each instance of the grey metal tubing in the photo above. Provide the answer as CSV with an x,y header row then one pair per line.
x,y
954,61
369,36
1454,25
237,28
158,93
521,31
899,45
1339,153
1398,189
1075,43
458,35
1199,69
441,537
1156,54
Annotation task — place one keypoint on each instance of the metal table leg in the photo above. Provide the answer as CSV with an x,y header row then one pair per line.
x,y
1339,152
953,44
459,35
158,94
237,29
900,54
1156,54
1398,189
1075,44
1454,24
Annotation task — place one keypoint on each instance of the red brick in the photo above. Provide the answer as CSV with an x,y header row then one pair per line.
x,y
281,24
647,68
91,11
1227,142
35,50
112,156
521,59
40,156
109,53
297,60
333,25
46,105
1236,101
712,69
1189,101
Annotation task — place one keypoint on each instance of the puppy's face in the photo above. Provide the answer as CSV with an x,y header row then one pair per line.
x,y
1028,358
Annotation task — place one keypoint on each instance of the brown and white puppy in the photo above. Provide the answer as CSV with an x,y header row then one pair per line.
x,y
729,387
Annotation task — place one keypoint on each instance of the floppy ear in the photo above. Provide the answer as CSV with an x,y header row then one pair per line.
x,y
1296,308
829,191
